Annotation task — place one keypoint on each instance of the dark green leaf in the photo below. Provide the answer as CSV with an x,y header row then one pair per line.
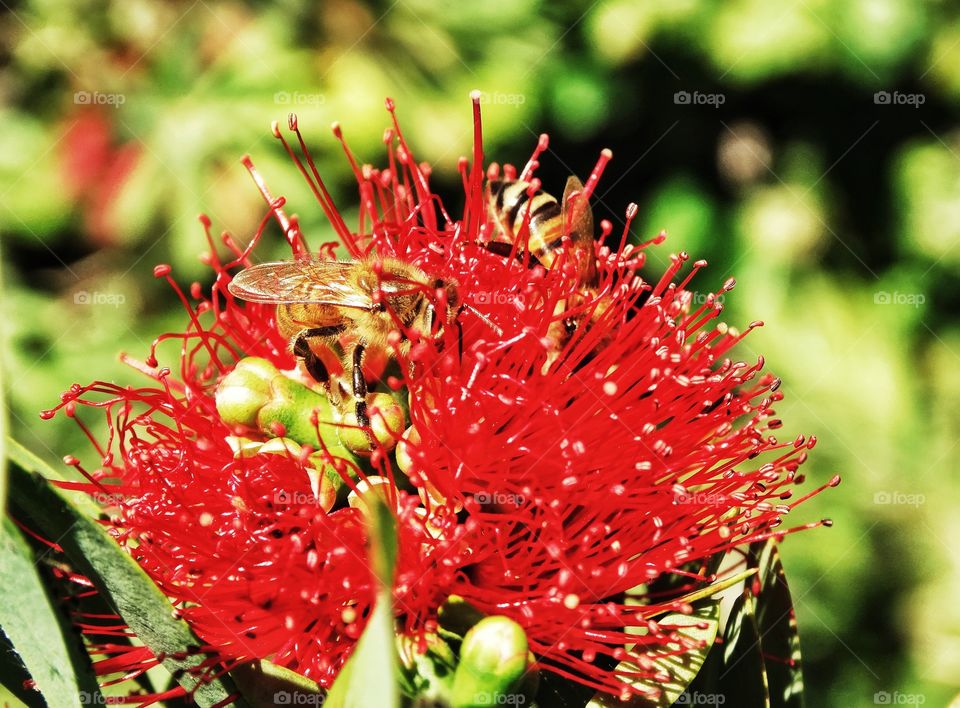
x,y
670,584
14,675
40,641
456,616
743,679
777,623
761,658
95,554
265,684
560,692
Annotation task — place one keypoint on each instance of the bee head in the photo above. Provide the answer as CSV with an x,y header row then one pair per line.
x,y
442,290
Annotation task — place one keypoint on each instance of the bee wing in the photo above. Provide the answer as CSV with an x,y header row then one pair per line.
x,y
581,230
312,282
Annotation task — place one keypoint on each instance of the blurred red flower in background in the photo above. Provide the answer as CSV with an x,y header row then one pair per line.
x,y
95,169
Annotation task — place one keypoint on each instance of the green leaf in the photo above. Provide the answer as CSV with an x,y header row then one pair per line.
x,y
383,542
558,691
743,677
3,395
40,639
761,658
263,683
95,554
370,676
777,623
717,587
23,458
701,627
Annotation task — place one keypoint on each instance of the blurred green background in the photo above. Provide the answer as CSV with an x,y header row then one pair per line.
x,y
809,148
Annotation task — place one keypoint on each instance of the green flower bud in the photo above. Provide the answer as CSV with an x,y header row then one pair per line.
x,y
328,480
493,659
243,447
281,446
290,411
371,485
427,676
404,460
386,420
256,394
244,391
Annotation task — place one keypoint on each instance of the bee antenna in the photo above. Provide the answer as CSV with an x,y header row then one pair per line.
x,y
483,318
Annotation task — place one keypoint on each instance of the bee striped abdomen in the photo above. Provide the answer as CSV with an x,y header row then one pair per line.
x,y
510,203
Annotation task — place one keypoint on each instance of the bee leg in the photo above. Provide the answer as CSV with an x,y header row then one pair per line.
x,y
459,338
360,390
313,364
504,249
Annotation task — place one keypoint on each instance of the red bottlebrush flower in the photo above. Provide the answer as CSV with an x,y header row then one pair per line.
x,y
542,477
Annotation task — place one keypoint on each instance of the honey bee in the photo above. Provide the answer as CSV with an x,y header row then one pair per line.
x,y
547,225
509,202
321,301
